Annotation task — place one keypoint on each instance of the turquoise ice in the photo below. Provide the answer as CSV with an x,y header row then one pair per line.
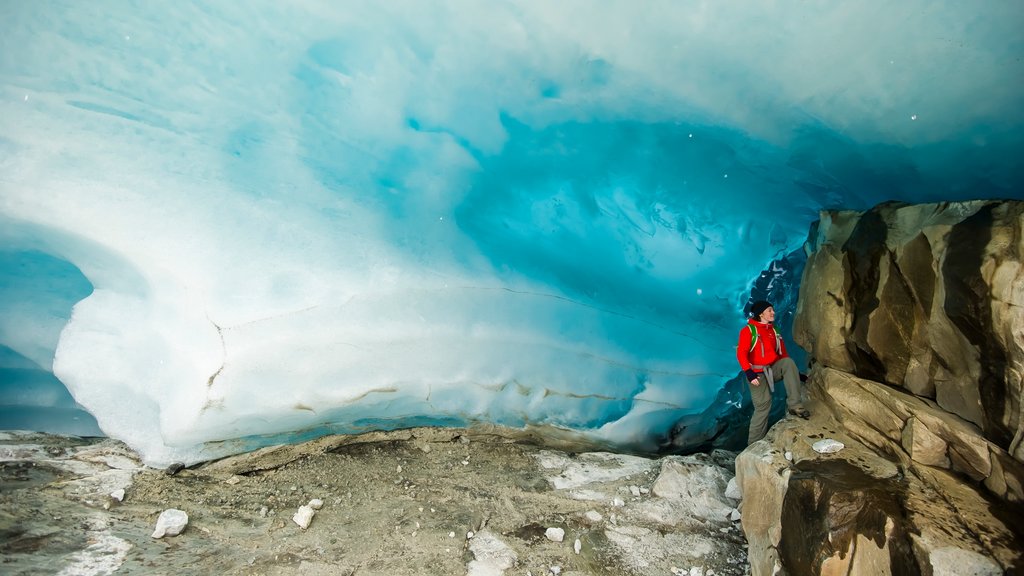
x,y
269,220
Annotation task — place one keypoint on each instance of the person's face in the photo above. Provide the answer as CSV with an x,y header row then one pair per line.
x,y
768,315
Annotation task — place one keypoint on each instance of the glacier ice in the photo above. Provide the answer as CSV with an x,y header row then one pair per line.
x,y
280,220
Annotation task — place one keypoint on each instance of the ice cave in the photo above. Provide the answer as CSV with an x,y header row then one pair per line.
x,y
227,224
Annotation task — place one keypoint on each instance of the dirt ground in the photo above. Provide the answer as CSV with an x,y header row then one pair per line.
x,y
424,501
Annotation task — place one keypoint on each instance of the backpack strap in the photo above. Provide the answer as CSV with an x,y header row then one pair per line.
x,y
753,338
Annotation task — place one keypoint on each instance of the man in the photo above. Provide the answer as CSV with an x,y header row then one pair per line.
x,y
763,358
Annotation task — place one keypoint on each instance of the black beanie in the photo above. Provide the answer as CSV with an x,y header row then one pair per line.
x,y
758,307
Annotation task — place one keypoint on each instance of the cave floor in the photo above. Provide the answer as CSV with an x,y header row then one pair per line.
x,y
404,503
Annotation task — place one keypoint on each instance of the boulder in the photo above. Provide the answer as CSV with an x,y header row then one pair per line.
x,y
861,510
700,488
913,429
763,477
928,298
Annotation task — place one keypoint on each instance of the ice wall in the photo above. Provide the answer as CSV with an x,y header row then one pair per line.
x,y
302,217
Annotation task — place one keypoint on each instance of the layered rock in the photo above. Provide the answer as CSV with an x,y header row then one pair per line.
x,y
914,320
928,298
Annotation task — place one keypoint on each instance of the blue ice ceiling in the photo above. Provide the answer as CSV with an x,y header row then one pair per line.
x,y
224,224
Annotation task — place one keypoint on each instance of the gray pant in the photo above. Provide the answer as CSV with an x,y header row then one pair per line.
x,y
761,396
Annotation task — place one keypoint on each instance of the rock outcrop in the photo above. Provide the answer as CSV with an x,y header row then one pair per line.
x,y
928,298
913,317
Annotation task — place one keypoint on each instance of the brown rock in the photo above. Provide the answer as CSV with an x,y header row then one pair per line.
x,y
909,428
838,519
763,476
923,445
914,320
928,298
856,512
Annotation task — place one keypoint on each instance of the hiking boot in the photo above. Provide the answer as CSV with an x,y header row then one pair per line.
x,y
800,413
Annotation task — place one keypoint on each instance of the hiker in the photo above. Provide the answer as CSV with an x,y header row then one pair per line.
x,y
764,361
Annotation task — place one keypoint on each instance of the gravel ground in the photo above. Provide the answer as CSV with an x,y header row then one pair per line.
x,y
424,501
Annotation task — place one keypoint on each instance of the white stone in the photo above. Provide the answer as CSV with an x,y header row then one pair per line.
x,y
692,489
555,534
732,489
827,446
587,495
118,494
634,490
735,516
593,516
618,502
304,516
492,556
556,570
696,571
104,555
316,503
788,455
590,468
170,523
233,480
577,546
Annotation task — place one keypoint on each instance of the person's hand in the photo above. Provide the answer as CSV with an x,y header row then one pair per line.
x,y
752,377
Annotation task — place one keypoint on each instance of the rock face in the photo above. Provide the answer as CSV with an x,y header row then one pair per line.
x,y
927,298
914,320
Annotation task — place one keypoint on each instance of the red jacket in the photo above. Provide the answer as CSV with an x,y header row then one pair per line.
x,y
768,347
